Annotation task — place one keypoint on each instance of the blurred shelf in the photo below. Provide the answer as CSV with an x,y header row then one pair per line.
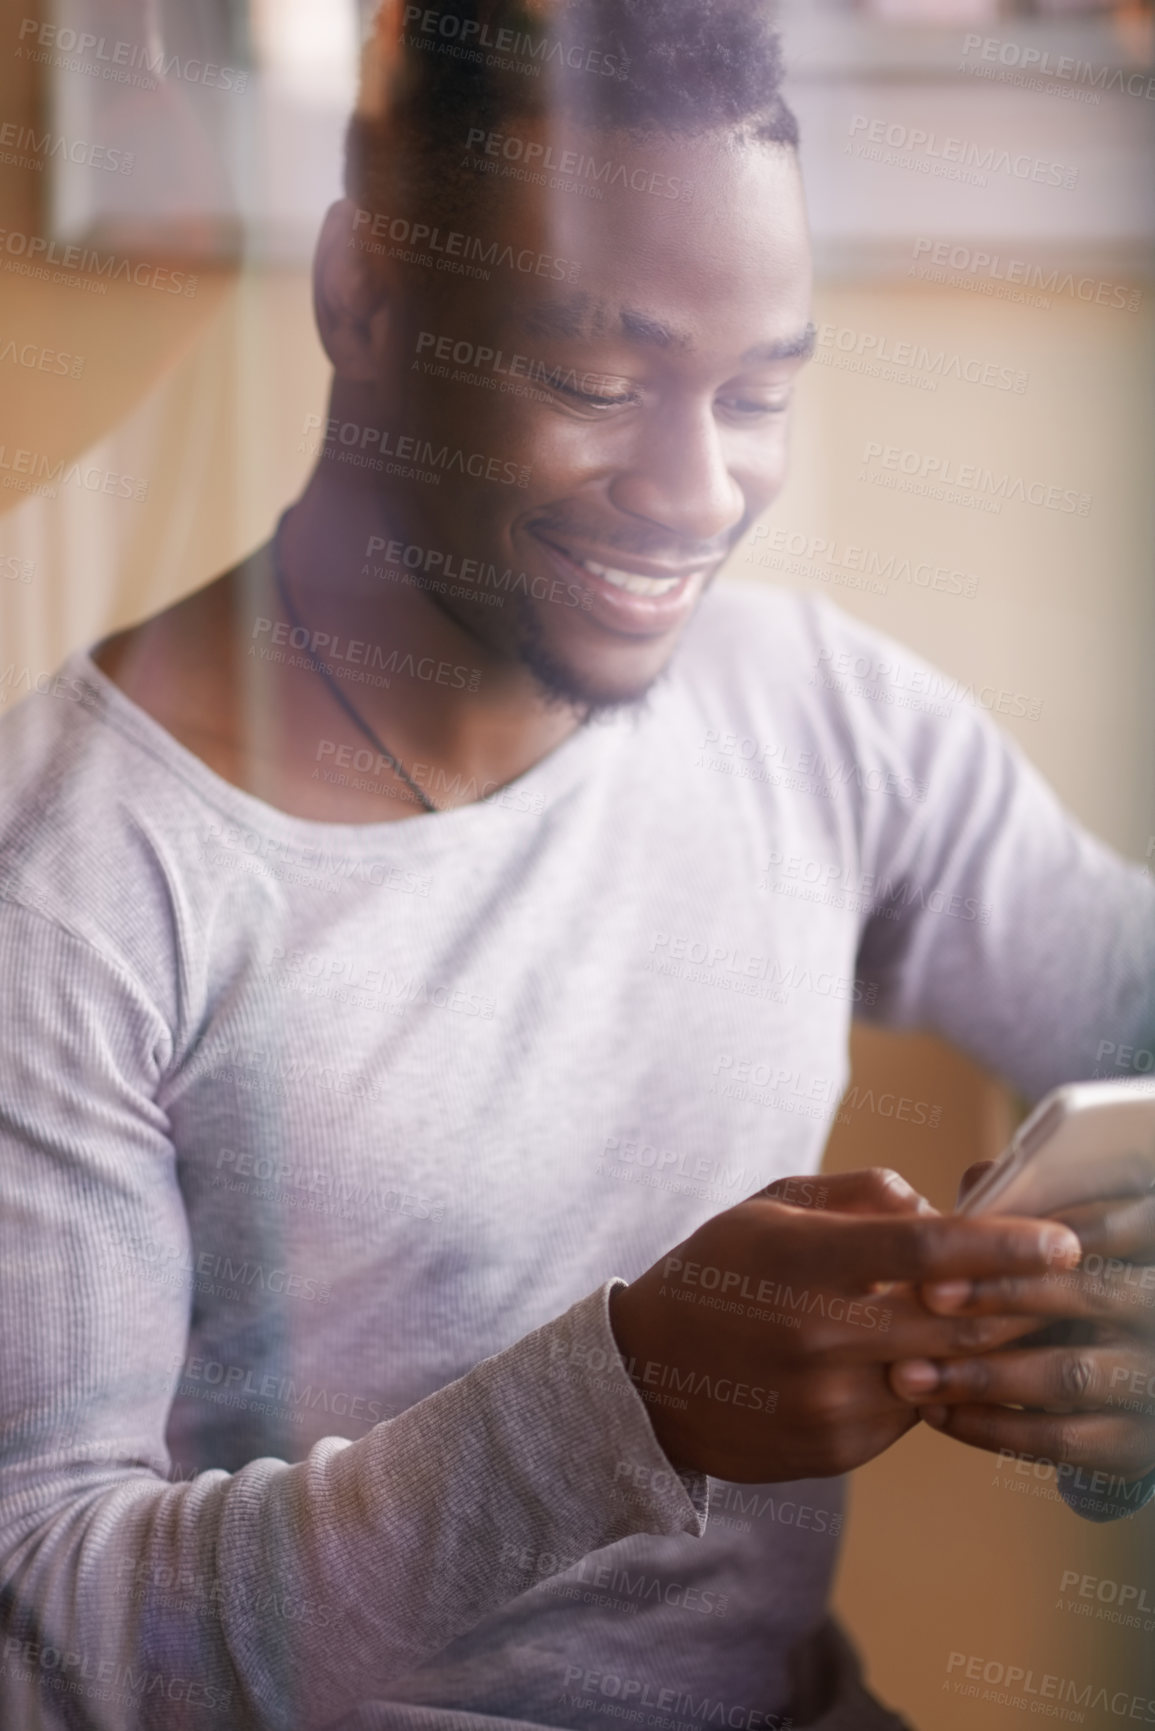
x,y
826,40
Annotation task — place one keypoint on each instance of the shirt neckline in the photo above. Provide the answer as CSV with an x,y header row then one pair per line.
x,y
526,800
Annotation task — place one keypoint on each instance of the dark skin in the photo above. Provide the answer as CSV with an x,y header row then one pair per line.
x,y
1088,1370
661,470
683,335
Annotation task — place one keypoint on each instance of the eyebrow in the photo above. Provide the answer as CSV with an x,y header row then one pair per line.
x,y
576,315
799,347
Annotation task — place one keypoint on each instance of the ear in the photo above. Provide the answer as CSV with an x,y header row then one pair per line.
x,y
353,295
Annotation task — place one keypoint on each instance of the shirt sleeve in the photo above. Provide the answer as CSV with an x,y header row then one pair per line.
x,y
999,922
276,1596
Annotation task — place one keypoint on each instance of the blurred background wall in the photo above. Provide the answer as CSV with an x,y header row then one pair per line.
x,y
981,192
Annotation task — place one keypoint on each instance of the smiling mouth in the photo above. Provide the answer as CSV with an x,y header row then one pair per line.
x,y
634,581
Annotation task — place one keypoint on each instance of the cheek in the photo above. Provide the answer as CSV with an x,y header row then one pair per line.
x,y
492,417
761,472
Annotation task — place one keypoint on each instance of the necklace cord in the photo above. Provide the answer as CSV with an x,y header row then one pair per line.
x,y
330,679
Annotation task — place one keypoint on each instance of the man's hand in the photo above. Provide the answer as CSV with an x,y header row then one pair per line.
x,y
762,1344
1086,1377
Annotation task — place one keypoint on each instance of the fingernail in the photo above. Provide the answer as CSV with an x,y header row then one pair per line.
x,y
947,1294
1061,1245
935,1416
918,1376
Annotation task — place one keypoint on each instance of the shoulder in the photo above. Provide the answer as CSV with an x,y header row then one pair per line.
x,y
768,644
86,822
792,679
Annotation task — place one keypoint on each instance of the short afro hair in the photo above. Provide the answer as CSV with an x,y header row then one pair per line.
x,y
644,67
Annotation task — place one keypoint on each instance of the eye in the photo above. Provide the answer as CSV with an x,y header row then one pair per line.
x,y
598,402
754,408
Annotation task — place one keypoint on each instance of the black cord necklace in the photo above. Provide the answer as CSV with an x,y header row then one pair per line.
x,y
330,678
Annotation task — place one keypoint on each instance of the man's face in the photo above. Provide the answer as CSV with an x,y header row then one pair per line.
x,y
648,400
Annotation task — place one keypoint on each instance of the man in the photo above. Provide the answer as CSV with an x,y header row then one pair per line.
x,y
377,916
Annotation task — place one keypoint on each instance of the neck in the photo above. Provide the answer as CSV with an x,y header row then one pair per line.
x,y
443,696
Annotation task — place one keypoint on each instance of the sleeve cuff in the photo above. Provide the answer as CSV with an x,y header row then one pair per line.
x,y
696,1485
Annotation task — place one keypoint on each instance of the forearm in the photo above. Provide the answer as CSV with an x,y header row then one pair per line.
x,y
312,1586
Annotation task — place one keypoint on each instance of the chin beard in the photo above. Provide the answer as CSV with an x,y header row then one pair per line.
x,y
561,684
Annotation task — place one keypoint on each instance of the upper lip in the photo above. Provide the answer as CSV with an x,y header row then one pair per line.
x,y
631,562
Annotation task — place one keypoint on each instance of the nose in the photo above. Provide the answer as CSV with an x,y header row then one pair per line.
x,y
679,479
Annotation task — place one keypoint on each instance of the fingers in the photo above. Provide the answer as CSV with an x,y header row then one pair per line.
x,y
1121,1294
1123,1229
873,1190
948,1249
1082,1379
1120,1446
884,1330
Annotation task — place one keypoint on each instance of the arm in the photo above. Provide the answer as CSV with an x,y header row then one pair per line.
x,y
380,1551
1000,923
1003,925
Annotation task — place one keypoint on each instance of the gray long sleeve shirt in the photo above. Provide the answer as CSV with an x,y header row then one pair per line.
x,y
321,1145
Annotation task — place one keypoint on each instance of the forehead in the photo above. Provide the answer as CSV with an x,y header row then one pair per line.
x,y
692,239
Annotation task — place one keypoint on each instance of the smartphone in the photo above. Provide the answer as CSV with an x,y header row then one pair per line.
x,y
1084,1142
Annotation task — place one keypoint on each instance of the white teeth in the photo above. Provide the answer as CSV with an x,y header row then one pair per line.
x,y
632,581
